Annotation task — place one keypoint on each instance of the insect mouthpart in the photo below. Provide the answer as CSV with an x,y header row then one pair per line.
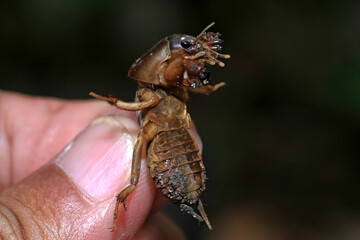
x,y
210,44
215,43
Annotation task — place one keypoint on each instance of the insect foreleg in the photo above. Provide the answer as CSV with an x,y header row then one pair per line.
x,y
149,99
207,89
147,133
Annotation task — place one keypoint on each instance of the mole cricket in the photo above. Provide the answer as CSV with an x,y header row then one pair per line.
x,y
166,73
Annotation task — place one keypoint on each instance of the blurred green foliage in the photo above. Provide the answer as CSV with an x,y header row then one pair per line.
x,y
283,131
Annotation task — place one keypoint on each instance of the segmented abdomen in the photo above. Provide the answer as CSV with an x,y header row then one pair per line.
x,y
176,166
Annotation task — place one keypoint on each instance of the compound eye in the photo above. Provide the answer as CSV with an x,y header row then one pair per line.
x,y
185,44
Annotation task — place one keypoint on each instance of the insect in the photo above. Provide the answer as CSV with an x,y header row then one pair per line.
x,y
175,65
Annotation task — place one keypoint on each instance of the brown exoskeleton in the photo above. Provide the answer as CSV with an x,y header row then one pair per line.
x,y
165,74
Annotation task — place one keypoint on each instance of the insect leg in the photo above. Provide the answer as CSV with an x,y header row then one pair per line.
x,y
207,89
147,133
149,99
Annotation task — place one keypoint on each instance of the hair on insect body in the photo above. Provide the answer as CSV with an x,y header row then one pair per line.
x,y
166,73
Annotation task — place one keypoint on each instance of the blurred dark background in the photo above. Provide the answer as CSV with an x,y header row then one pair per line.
x,y
281,140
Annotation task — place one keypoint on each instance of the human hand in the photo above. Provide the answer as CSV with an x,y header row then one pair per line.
x,y
73,195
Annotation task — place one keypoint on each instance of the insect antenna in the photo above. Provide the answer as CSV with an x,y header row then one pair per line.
x,y
203,32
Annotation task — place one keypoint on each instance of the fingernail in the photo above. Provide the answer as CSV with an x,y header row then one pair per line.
x,y
98,160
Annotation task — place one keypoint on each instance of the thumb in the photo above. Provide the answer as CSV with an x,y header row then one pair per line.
x,y
73,196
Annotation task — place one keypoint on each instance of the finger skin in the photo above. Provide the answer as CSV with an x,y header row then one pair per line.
x,y
37,219
34,129
48,205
